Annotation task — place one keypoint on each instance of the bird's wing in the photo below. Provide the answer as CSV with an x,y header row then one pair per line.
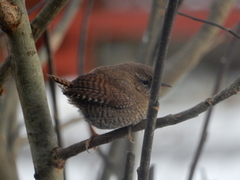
x,y
99,89
120,98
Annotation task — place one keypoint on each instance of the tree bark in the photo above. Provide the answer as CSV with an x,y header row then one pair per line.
x,y
26,69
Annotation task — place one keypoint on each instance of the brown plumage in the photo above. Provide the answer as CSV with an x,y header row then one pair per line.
x,y
111,96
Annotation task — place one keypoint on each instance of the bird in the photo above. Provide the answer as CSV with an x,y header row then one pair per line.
x,y
111,97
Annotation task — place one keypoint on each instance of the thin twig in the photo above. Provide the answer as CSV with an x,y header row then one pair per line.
x,y
191,53
60,30
37,6
52,70
143,171
45,16
51,66
83,37
5,72
38,25
211,23
153,32
117,158
70,122
128,173
222,71
172,119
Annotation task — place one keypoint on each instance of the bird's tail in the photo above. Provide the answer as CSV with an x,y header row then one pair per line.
x,y
63,82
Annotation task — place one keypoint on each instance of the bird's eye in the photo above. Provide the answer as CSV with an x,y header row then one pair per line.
x,y
144,79
145,82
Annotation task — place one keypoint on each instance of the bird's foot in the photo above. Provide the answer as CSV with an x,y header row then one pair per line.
x,y
130,134
94,134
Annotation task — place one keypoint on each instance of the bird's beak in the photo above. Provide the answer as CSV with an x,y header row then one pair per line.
x,y
165,85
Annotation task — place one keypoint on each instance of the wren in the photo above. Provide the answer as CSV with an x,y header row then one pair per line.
x,y
111,97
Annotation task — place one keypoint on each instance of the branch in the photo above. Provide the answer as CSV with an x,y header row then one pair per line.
x,y
39,25
225,62
51,69
26,69
153,32
61,155
83,37
143,170
10,17
45,16
211,23
116,158
190,55
5,72
37,6
59,31
128,173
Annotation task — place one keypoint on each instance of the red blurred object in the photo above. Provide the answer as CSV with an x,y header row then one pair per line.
x,y
128,25
115,25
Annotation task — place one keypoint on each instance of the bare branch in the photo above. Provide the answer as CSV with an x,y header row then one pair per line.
x,y
5,72
45,16
143,170
172,119
37,6
113,165
211,23
71,122
27,71
128,173
83,37
39,25
60,30
222,71
152,34
51,66
190,55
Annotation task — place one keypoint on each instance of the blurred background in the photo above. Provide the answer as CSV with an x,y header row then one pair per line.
x,y
115,30
114,35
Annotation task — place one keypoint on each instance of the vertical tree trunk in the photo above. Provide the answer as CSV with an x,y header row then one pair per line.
x,y
26,69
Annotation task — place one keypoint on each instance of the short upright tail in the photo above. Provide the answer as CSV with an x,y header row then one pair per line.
x,y
65,83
